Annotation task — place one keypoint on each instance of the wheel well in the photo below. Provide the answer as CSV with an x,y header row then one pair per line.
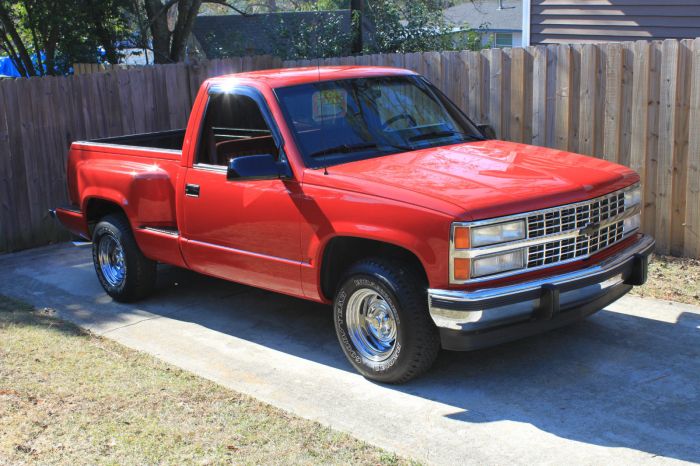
x,y
97,209
343,251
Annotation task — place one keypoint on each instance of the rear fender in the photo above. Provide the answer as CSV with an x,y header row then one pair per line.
x,y
144,191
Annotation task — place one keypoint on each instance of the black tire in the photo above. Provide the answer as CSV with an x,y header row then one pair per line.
x,y
140,272
417,341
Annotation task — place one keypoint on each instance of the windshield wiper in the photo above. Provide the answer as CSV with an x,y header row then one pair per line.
x,y
348,148
345,149
442,134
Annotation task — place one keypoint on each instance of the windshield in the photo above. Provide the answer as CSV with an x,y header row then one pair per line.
x,y
342,121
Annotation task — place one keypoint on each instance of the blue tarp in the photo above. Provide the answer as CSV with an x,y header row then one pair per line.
x,y
8,68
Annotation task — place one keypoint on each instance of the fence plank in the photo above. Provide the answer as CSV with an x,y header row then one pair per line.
x,y
476,103
652,160
527,104
613,102
587,99
7,193
575,104
505,92
30,135
22,231
640,110
680,159
496,90
562,112
551,99
539,96
517,99
626,103
691,243
667,144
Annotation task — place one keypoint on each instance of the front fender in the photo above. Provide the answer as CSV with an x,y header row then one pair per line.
x,y
330,213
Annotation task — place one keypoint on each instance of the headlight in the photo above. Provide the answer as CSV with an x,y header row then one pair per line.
x,y
633,197
497,233
497,263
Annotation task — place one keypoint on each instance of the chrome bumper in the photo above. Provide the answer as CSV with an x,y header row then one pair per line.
x,y
539,304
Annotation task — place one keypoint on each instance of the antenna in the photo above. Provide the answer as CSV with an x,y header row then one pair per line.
x,y
317,52
319,25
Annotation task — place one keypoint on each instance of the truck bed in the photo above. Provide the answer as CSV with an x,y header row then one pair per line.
x,y
166,140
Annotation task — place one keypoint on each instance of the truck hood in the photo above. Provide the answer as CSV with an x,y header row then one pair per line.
x,y
487,179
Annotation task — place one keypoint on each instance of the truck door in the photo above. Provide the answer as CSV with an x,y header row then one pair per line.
x,y
247,230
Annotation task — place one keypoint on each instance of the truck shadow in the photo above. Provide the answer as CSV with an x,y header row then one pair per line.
x,y
613,380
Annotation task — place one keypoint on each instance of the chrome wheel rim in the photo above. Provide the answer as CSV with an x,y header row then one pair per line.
x,y
110,256
371,324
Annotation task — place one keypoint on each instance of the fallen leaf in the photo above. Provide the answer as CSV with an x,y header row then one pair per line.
x,y
25,449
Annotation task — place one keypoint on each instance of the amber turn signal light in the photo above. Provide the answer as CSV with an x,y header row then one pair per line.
x,y
461,238
461,268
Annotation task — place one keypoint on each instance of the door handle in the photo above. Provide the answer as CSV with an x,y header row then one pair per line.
x,y
192,190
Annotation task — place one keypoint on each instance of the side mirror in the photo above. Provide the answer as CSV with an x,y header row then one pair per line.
x,y
256,167
487,131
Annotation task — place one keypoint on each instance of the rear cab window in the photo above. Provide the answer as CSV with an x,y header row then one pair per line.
x,y
233,126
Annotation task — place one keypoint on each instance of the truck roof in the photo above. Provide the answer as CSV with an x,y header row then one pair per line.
x,y
283,77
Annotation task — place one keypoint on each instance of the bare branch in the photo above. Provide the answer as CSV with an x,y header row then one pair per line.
x,y
225,3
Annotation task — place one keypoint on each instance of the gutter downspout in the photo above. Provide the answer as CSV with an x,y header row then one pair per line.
x,y
526,24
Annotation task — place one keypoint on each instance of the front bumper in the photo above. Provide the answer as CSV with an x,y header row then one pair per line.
x,y
490,316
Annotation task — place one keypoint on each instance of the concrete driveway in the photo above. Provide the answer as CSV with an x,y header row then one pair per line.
x,y
620,387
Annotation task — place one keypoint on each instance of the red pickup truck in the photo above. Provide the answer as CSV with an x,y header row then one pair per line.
x,y
364,187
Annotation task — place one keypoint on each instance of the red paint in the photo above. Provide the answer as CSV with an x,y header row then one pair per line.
x,y
271,234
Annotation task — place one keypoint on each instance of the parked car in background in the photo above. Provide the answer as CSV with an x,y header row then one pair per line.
x,y
367,189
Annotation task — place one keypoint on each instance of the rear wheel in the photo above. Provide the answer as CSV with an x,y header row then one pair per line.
x,y
382,321
124,272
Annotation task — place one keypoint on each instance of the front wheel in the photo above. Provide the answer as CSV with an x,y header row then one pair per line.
x,y
124,272
382,321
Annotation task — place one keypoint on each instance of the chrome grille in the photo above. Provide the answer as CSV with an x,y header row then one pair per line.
x,y
570,218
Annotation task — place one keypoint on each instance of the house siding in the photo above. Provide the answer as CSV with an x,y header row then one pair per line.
x,y
575,21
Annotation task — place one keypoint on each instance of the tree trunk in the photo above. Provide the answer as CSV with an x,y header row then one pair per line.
x,y
24,56
356,19
33,26
107,39
159,31
187,13
50,51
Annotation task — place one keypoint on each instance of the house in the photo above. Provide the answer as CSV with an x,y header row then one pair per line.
x,y
581,21
266,34
499,22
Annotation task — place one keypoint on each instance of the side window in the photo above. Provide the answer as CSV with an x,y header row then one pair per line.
x,y
233,127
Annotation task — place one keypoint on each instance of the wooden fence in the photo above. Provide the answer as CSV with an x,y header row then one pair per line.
x,y
87,68
635,103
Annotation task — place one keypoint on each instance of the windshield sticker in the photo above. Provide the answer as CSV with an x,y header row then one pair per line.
x,y
329,104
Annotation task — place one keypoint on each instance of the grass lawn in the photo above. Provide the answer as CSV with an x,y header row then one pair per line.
x,y
672,279
68,397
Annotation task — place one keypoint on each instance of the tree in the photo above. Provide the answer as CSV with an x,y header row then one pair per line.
x,y
46,37
407,26
388,26
169,45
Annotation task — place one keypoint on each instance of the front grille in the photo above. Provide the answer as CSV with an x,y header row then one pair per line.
x,y
571,218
